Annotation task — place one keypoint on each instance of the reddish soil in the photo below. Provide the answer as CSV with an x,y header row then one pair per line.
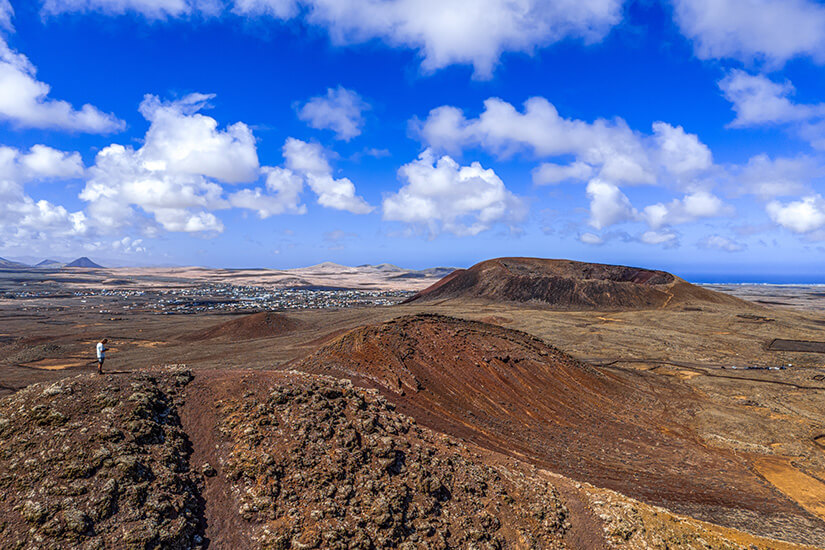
x,y
272,459
512,393
200,420
248,327
565,284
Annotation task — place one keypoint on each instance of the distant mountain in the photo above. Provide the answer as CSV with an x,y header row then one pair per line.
x,y
50,263
83,262
384,268
438,271
8,264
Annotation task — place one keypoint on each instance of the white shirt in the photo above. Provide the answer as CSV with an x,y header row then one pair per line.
x,y
100,350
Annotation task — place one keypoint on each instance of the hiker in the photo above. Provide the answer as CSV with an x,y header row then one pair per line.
x,y
101,354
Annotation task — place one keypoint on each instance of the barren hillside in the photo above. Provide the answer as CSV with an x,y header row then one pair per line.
x,y
565,284
514,394
243,459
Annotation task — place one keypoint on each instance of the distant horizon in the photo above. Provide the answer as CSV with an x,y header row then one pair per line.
x,y
696,277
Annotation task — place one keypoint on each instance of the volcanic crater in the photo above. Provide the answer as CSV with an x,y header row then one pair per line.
x,y
512,393
567,284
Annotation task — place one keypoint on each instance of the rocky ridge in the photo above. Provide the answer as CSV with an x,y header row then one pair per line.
x,y
295,461
98,463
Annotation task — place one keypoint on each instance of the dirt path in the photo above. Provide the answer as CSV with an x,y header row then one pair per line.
x,y
586,531
200,423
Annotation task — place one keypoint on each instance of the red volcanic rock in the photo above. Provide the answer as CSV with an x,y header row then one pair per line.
x,y
248,327
565,284
512,393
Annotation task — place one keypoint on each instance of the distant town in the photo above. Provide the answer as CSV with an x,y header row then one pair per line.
x,y
205,299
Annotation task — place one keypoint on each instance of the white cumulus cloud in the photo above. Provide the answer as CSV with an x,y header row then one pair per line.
x,y
443,32
121,179
441,195
284,188
659,237
181,140
25,101
608,205
770,30
24,221
591,238
340,110
801,216
758,100
768,177
175,176
608,149
40,162
688,209
680,153
310,161
448,32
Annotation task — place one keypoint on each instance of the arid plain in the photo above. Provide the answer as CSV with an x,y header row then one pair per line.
x,y
664,426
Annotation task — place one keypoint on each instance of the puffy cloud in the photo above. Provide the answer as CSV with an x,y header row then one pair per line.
x,y
503,130
801,216
444,32
177,177
41,162
680,153
341,111
24,220
286,187
128,245
770,30
121,179
721,242
174,176
591,238
758,100
782,176
678,211
310,161
659,237
608,205
186,221
441,195
24,101
173,182
447,32
180,140
609,149
306,158
153,9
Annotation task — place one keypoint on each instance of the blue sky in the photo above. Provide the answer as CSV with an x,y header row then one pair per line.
x,y
687,135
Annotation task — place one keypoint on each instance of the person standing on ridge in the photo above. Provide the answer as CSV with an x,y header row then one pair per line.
x,y
101,354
